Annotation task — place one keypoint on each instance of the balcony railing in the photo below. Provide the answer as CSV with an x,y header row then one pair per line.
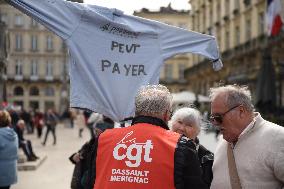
x,y
49,78
34,78
19,77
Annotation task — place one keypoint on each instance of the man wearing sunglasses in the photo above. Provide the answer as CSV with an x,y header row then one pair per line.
x,y
257,144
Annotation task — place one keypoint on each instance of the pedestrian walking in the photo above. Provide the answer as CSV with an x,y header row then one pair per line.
x,y
26,116
38,122
50,122
251,153
8,152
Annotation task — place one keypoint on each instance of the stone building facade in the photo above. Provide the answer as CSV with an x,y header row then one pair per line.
x,y
172,74
37,69
239,26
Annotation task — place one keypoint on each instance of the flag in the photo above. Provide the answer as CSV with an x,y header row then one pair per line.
x,y
274,20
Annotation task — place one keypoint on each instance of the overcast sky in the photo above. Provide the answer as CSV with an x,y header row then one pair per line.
x,y
128,6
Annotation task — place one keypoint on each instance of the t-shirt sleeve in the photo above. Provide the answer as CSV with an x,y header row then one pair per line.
x,y
61,17
174,40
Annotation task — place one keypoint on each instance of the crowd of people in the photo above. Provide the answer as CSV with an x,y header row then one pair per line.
x,y
15,123
147,154
157,150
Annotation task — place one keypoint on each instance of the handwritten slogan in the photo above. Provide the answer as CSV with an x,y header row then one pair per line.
x,y
123,69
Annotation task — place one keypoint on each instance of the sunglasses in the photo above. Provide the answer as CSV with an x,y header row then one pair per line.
x,y
218,118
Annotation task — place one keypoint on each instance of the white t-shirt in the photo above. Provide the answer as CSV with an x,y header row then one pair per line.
x,y
113,54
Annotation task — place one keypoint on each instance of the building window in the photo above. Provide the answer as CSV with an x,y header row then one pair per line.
x,y
19,68
204,19
218,10
248,29
49,105
169,71
63,46
18,91
49,91
247,2
34,91
181,68
211,17
34,23
237,4
197,23
227,42
210,31
49,43
34,45
34,68
227,7
34,105
4,18
219,38
261,23
49,68
65,71
19,42
237,36
19,20
193,23
18,103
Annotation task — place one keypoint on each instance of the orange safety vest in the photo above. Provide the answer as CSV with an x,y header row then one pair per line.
x,y
137,157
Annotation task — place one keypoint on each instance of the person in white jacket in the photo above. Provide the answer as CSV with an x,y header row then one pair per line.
x,y
257,144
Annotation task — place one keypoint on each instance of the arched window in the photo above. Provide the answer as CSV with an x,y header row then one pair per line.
x,y
49,91
34,91
18,91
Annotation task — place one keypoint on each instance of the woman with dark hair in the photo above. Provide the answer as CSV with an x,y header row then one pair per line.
x,y
84,174
8,152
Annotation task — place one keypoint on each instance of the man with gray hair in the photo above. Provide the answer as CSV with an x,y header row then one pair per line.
x,y
146,154
251,153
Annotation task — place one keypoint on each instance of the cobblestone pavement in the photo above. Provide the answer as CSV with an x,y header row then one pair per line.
x,y
56,170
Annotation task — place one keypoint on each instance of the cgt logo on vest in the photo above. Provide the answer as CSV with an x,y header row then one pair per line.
x,y
132,153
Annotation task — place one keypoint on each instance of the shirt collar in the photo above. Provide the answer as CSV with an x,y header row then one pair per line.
x,y
150,120
250,125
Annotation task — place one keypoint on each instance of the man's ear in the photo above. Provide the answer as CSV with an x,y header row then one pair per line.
x,y
242,111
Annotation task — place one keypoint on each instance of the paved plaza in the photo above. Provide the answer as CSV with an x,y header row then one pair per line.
x,y
56,170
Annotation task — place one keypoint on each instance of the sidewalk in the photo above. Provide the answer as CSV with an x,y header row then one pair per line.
x,y
56,170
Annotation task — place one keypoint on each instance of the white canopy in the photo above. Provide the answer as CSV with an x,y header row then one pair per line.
x,y
188,97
